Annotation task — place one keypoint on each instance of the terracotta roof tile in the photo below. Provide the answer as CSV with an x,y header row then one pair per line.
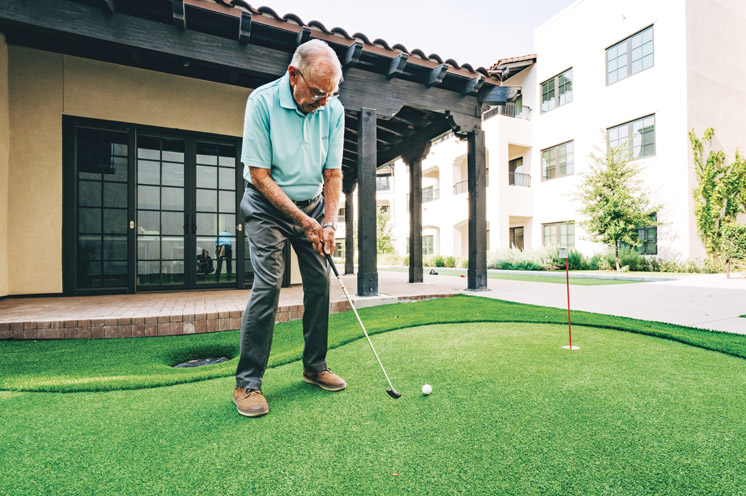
x,y
267,15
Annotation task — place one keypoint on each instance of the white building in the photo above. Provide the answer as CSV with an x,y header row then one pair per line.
x,y
650,71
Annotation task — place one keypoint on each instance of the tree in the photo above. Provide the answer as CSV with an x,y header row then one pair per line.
x,y
733,245
384,232
720,194
614,203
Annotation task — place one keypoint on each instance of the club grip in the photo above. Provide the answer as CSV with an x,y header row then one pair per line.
x,y
331,262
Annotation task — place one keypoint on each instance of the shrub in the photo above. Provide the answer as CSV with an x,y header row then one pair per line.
x,y
450,261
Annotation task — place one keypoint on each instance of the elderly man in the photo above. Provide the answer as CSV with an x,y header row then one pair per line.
x,y
292,156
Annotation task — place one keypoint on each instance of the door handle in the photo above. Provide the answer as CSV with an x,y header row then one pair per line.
x,y
239,227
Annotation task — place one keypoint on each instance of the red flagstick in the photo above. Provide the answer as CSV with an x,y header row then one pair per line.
x,y
569,326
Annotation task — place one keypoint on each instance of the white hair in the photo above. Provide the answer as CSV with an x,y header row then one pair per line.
x,y
307,56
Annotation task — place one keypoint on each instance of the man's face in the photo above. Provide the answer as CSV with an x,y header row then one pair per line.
x,y
320,83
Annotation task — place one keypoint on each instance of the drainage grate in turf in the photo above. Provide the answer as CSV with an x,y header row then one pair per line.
x,y
201,362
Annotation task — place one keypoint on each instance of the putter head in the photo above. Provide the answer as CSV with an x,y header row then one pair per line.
x,y
393,393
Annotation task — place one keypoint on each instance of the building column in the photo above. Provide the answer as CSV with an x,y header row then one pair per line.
x,y
476,156
367,271
349,234
413,159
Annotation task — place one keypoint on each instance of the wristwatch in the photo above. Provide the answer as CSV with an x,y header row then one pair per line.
x,y
333,225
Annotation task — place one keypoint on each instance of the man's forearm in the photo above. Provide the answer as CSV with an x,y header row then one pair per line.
x,y
274,194
332,188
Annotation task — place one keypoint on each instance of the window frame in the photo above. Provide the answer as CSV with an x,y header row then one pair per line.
x,y
558,226
630,137
628,55
556,97
571,164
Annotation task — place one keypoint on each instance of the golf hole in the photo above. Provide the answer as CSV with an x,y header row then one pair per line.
x,y
201,362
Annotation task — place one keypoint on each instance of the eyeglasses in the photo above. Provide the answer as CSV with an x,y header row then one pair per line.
x,y
317,94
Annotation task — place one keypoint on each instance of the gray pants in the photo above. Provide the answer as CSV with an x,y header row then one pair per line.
x,y
267,229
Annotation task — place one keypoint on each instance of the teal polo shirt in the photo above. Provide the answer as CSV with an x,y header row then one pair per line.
x,y
296,147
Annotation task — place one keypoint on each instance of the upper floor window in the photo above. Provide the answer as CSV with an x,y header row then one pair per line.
x,y
558,161
556,91
516,174
630,56
639,134
648,238
383,182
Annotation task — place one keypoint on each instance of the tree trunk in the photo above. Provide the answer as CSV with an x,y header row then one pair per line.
x,y
616,255
727,269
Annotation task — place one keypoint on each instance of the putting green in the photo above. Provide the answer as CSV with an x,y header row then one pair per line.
x,y
511,413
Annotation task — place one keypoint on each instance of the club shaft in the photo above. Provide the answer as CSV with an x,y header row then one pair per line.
x,y
349,300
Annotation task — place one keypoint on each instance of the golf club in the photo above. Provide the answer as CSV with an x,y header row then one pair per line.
x,y
391,392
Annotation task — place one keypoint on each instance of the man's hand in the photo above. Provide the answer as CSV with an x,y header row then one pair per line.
x,y
314,233
327,238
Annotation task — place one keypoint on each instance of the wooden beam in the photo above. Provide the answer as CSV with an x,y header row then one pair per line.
x,y
476,165
397,65
472,86
435,77
179,14
362,88
413,158
303,36
367,272
349,234
244,28
497,95
419,139
352,56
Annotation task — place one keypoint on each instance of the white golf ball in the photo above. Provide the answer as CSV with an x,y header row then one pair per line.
x,y
427,389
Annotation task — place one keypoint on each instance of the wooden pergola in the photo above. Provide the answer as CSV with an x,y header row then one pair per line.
x,y
397,102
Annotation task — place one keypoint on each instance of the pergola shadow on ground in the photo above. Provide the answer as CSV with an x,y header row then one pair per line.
x,y
396,101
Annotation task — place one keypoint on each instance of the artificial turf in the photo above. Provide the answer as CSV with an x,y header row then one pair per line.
x,y
115,364
511,413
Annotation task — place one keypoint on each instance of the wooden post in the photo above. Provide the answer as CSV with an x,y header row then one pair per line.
x,y
367,272
476,156
413,158
349,234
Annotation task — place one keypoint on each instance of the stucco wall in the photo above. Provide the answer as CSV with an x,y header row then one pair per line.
x,y
4,142
42,87
716,36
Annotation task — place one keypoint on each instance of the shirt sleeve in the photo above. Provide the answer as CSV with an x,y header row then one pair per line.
x,y
336,144
257,143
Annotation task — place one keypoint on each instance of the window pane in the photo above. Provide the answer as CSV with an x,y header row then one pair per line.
x,y
207,201
89,194
149,197
227,178
172,248
173,150
207,153
207,177
148,147
206,224
172,223
148,247
148,172
115,248
89,248
173,174
115,221
227,201
115,195
172,198
148,222
89,220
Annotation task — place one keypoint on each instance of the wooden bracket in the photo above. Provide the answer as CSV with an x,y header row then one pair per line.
x,y
244,28
435,77
179,14
472,85
352,57
303,36
397,66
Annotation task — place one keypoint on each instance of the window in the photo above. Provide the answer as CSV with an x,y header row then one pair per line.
x,y
516,237
516,176
640,135
561,234
630,56
383,182
648,237
550,98
341,216
558,161
339,248
428,245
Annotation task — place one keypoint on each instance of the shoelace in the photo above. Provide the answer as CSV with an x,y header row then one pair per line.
x,y
250,391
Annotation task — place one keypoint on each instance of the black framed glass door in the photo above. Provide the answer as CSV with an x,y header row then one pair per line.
x,y
150,209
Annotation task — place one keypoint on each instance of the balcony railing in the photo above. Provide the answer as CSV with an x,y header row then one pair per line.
x,y
463,186
519,179
430,195
509,110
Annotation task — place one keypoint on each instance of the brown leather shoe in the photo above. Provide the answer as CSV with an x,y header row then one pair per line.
x,y
250,402
325,379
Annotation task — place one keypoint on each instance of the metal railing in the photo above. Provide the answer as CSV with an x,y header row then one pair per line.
x,y
509,110
430,195
463,186
519,179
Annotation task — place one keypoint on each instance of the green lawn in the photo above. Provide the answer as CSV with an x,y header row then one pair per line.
x,y
511,412
578,281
